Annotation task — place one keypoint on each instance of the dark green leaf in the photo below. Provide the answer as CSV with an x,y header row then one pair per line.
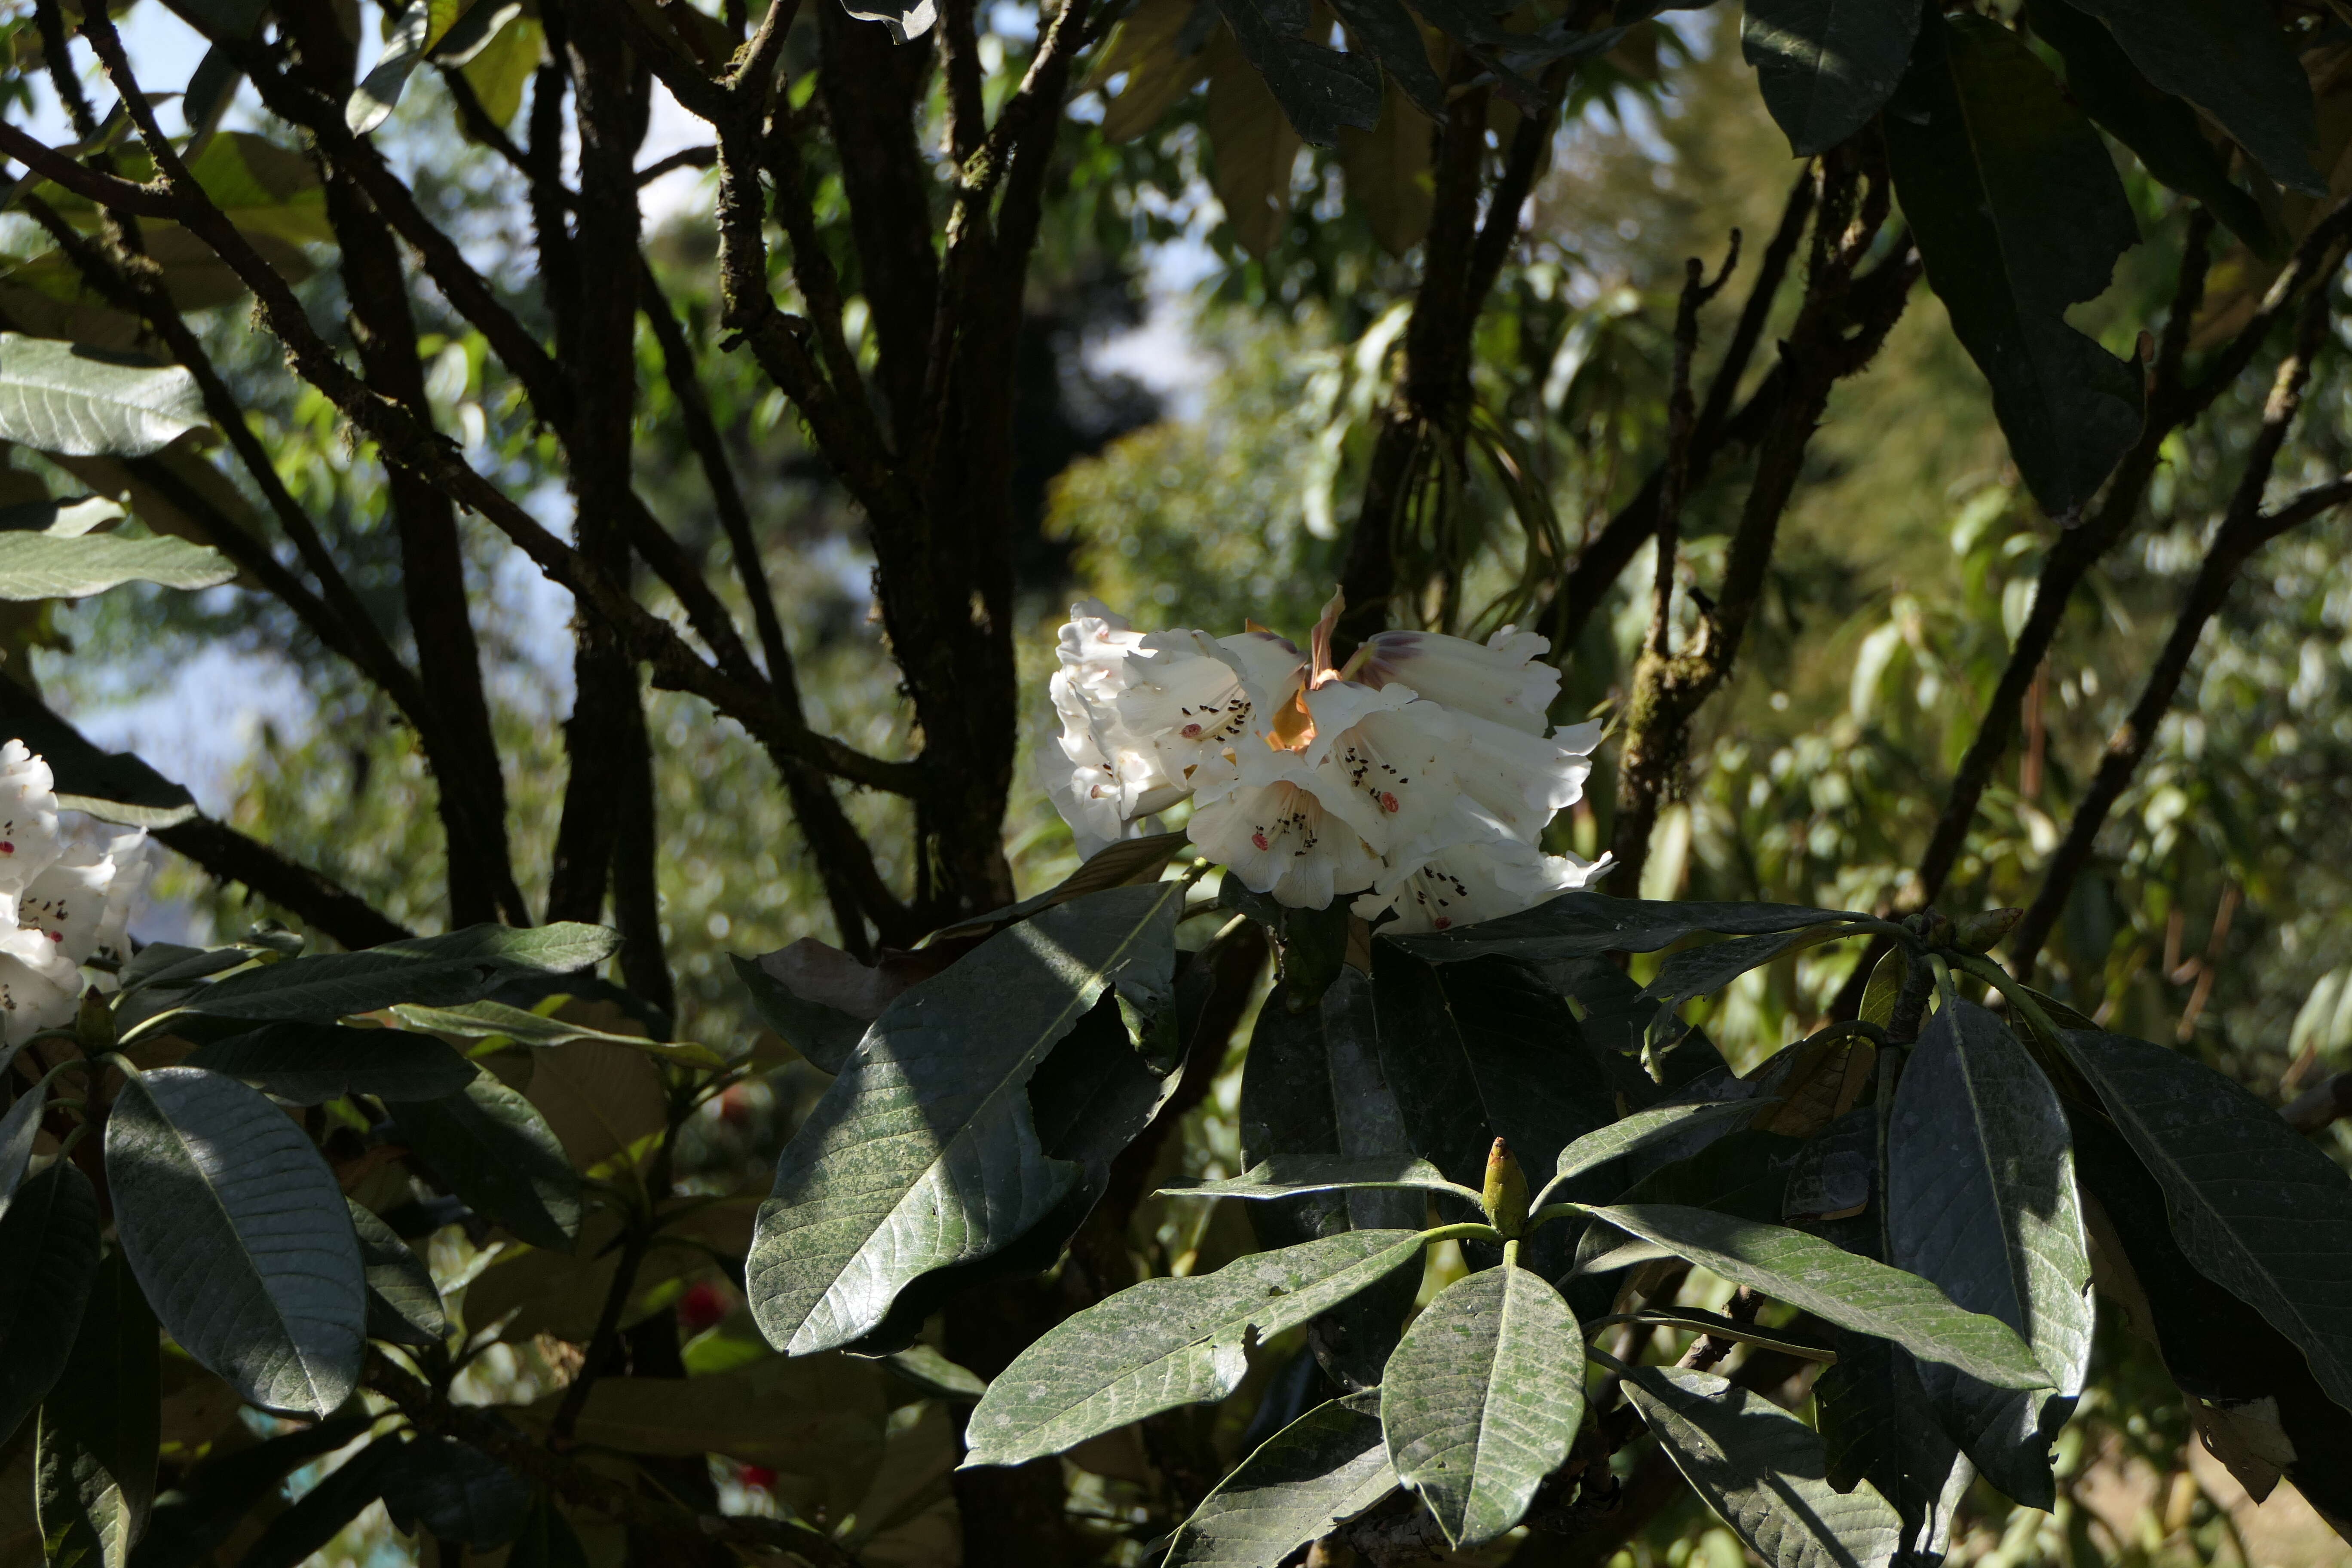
x,y
1826,66
171,966
1168,1342
101,1428
1482,1399
453,1491
2163,130
18,1129
192,1521
310,1064
522,1027
1877,1431
1317,1085
2019,214
81,401
547,1539
2233,1366
320,1514
441,971
1320,89
824,1034
50,566
1392,37
1323,1469
49,1240
924,1153
2232,61
494,1150
210,87
2258,1208
239,1236
1616,1027
1089,1098
1762,1470
1643,1129
1485,1051
402,1304
1286,1176
1586,925
1851,1291
1124,863
1692,1321
1703,970
1980,1199
1744,1173
1834,1174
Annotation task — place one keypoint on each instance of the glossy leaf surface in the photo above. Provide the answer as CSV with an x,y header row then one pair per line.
x,y
239,1236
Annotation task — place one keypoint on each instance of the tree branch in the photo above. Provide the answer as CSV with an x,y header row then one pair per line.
x,y
2245,528
1606,555
1838,330
845,864
650,637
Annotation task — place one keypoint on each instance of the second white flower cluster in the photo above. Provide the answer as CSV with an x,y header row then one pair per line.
x,y
1420,777
66,886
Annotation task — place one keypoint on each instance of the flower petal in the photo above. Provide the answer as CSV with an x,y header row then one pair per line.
x,y
1503,680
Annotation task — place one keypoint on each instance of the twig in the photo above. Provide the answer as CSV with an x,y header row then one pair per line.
x,y
2245,528
845,863
1605,555
1644,772
650,637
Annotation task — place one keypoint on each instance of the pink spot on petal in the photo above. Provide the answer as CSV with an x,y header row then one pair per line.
x,y
56,936
6,847
1259,839
1190,730
1441,922
1387,800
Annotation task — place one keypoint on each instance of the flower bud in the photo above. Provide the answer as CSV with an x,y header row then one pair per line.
x,y
1979,933
94,1022
1506,1197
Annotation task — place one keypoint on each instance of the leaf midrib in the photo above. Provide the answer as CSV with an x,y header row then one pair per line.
x,y
1016,1075
244,1253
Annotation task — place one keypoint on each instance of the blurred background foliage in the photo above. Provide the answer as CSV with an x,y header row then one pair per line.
x,y
1197,392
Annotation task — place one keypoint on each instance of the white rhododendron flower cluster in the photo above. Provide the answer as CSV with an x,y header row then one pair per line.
x,y
1419,778
66,885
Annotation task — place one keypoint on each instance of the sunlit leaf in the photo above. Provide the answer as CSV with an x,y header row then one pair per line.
x,y
1323,1469
1980,1199
239,1236
1166,1342
924,1153
1761,1469
1482,1399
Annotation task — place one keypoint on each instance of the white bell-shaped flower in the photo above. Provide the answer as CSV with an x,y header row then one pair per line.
x,y
1141,712
1283,835
1503,680
1478,873
41,988
1522,780
1425,772
82,902
29,838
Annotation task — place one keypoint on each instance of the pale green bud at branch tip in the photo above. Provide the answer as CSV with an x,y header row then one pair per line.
x,y
1982,931
1505,1196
